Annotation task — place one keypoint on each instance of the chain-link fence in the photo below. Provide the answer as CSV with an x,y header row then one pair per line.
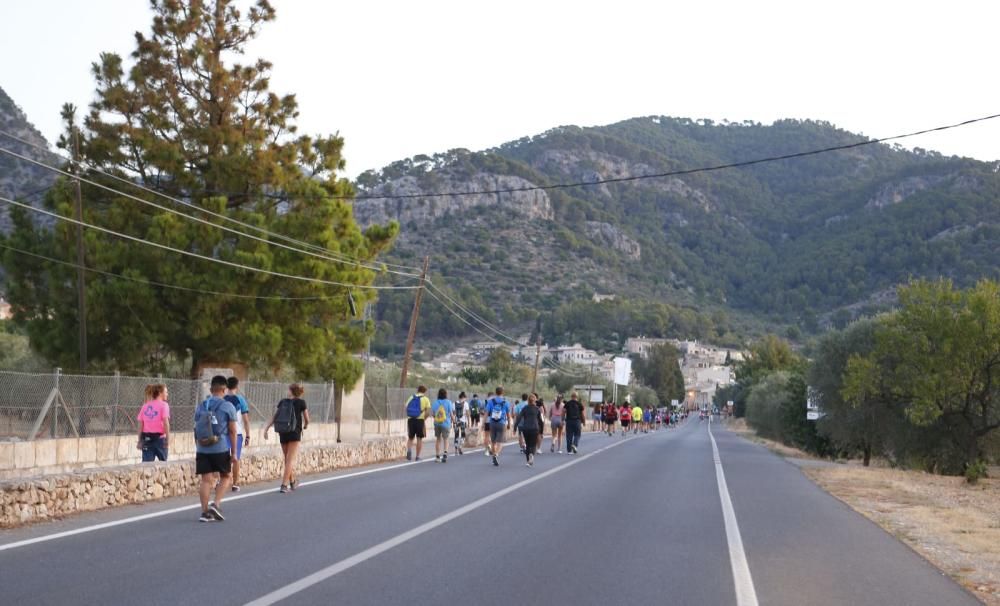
x,y
385,408
57,405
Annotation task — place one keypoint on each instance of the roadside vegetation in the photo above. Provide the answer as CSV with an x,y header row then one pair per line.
x,y
918,387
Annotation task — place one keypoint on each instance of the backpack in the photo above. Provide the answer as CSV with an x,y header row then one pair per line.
x,y
460,411
474,407
207,429
496,409
441,414
413,406
285,420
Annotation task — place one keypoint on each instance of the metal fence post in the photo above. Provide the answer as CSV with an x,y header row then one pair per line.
x,y
55,410
114,405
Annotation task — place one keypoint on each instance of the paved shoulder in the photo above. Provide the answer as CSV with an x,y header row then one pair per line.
x,y
806,547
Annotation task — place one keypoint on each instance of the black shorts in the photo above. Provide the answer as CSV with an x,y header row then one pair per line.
x,y
285,437
416,428
212,462
625,422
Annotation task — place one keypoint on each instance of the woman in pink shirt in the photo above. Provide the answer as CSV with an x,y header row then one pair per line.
x,y
154,424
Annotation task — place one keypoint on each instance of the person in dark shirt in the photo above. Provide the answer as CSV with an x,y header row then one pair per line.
x,y
574,423
529,419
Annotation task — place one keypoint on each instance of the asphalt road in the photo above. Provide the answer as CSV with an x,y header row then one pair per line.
x,y
638,520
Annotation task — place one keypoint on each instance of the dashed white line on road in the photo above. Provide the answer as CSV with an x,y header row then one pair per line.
x,y
358,558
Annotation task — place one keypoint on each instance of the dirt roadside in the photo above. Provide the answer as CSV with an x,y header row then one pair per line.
x,y
954,525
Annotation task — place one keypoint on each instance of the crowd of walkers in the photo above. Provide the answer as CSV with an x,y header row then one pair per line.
x,y
495,418
222,429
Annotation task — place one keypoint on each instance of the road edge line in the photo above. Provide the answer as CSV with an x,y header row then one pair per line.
x,y
746,595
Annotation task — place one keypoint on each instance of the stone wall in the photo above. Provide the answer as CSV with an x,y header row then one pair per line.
x,y
24,501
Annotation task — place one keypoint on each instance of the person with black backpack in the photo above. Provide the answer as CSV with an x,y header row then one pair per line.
x,y
213,419
291,418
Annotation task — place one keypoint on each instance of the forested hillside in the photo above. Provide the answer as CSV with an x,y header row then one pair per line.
x,y
801,242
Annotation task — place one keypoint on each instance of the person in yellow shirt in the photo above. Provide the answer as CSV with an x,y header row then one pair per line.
x,y
417,409
636,418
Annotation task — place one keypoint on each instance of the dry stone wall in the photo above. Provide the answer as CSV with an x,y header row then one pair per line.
x,y
24,501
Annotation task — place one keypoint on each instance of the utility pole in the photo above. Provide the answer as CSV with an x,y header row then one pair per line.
x,y
538,353
413,324
81,273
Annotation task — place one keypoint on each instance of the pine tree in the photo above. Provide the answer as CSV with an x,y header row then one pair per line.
x,y
187,121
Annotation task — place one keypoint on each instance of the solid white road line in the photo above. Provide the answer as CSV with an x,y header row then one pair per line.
x,y
358,558
746,595
167,512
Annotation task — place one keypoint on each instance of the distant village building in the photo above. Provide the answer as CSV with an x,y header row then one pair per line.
x,y
574,354
601,298
641,346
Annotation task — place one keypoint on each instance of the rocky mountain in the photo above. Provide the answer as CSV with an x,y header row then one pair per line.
x,y
791,241
19,179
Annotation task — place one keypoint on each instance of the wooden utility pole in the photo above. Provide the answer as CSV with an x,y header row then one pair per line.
x,y
81,273
538,353
413,324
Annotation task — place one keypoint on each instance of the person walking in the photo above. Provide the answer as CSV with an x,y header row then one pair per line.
x,y
461,422
291,418
498,412
637,420
529,419
475,406
443,412
574,417
234,397
540,403
556,422
610,417
213,457
417,409
518,405
154,424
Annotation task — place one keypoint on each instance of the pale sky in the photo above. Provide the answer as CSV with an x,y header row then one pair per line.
x,y
400,78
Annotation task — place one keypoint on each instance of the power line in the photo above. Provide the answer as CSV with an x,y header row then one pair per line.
x,y
476,317
162,284
202,257
456,314
675,173
327,254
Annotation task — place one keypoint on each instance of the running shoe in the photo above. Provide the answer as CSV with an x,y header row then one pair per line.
x,y
283,489
206,517
213,510
444,458
293,484
437,458
235,488
560,451
496,461
409,455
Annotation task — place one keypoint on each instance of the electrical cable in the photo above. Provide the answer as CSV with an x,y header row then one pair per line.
x,y
198,256
319,251
163,284
457,315
476,317
676,173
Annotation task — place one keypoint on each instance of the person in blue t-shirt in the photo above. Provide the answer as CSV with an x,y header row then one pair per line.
x,y
213,462
442,411
498,413
235,398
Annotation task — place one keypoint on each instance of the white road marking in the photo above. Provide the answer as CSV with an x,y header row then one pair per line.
x,y
196,506
746,595
358,558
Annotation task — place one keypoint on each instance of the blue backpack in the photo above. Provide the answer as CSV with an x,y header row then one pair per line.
x,y
413,406
207,429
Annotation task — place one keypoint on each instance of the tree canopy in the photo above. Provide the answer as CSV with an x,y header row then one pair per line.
x,y
188,120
